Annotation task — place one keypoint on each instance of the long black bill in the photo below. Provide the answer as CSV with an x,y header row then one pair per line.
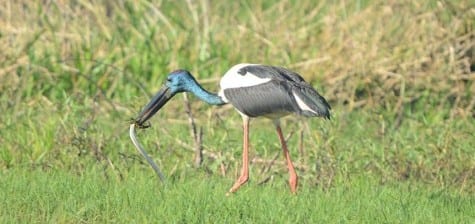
x,y
157,102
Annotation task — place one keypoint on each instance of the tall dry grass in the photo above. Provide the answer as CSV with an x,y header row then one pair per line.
x,y
361,53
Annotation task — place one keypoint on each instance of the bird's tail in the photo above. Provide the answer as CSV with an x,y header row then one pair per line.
x,y
317,103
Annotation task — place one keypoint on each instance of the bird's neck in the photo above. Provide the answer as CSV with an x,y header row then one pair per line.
x,y
208,97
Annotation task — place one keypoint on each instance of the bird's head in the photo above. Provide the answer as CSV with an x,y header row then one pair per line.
x,y
176,82
180,81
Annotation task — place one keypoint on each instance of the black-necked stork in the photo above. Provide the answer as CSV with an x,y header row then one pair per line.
x,y
254,90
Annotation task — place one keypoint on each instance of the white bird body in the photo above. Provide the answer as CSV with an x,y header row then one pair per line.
x,y
231,79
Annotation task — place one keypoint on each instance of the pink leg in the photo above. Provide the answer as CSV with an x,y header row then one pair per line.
x,y
293,179
245,158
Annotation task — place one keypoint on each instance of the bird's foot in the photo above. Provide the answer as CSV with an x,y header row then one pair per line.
x,y
239,182
293,182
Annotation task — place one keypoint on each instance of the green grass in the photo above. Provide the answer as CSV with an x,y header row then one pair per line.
x,y
61,197
399,147
417,173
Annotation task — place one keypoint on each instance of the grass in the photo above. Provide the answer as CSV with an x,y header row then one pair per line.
x,y
61,197
399,76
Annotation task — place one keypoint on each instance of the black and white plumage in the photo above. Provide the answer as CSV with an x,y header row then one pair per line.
x,y
270,91
254,90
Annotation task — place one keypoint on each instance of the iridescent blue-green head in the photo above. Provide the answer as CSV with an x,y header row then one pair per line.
x,y
176,82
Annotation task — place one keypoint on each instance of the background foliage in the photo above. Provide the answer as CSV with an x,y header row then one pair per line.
x,y
398,74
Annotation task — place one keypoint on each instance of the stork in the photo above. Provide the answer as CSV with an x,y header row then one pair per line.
x,y
255,91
